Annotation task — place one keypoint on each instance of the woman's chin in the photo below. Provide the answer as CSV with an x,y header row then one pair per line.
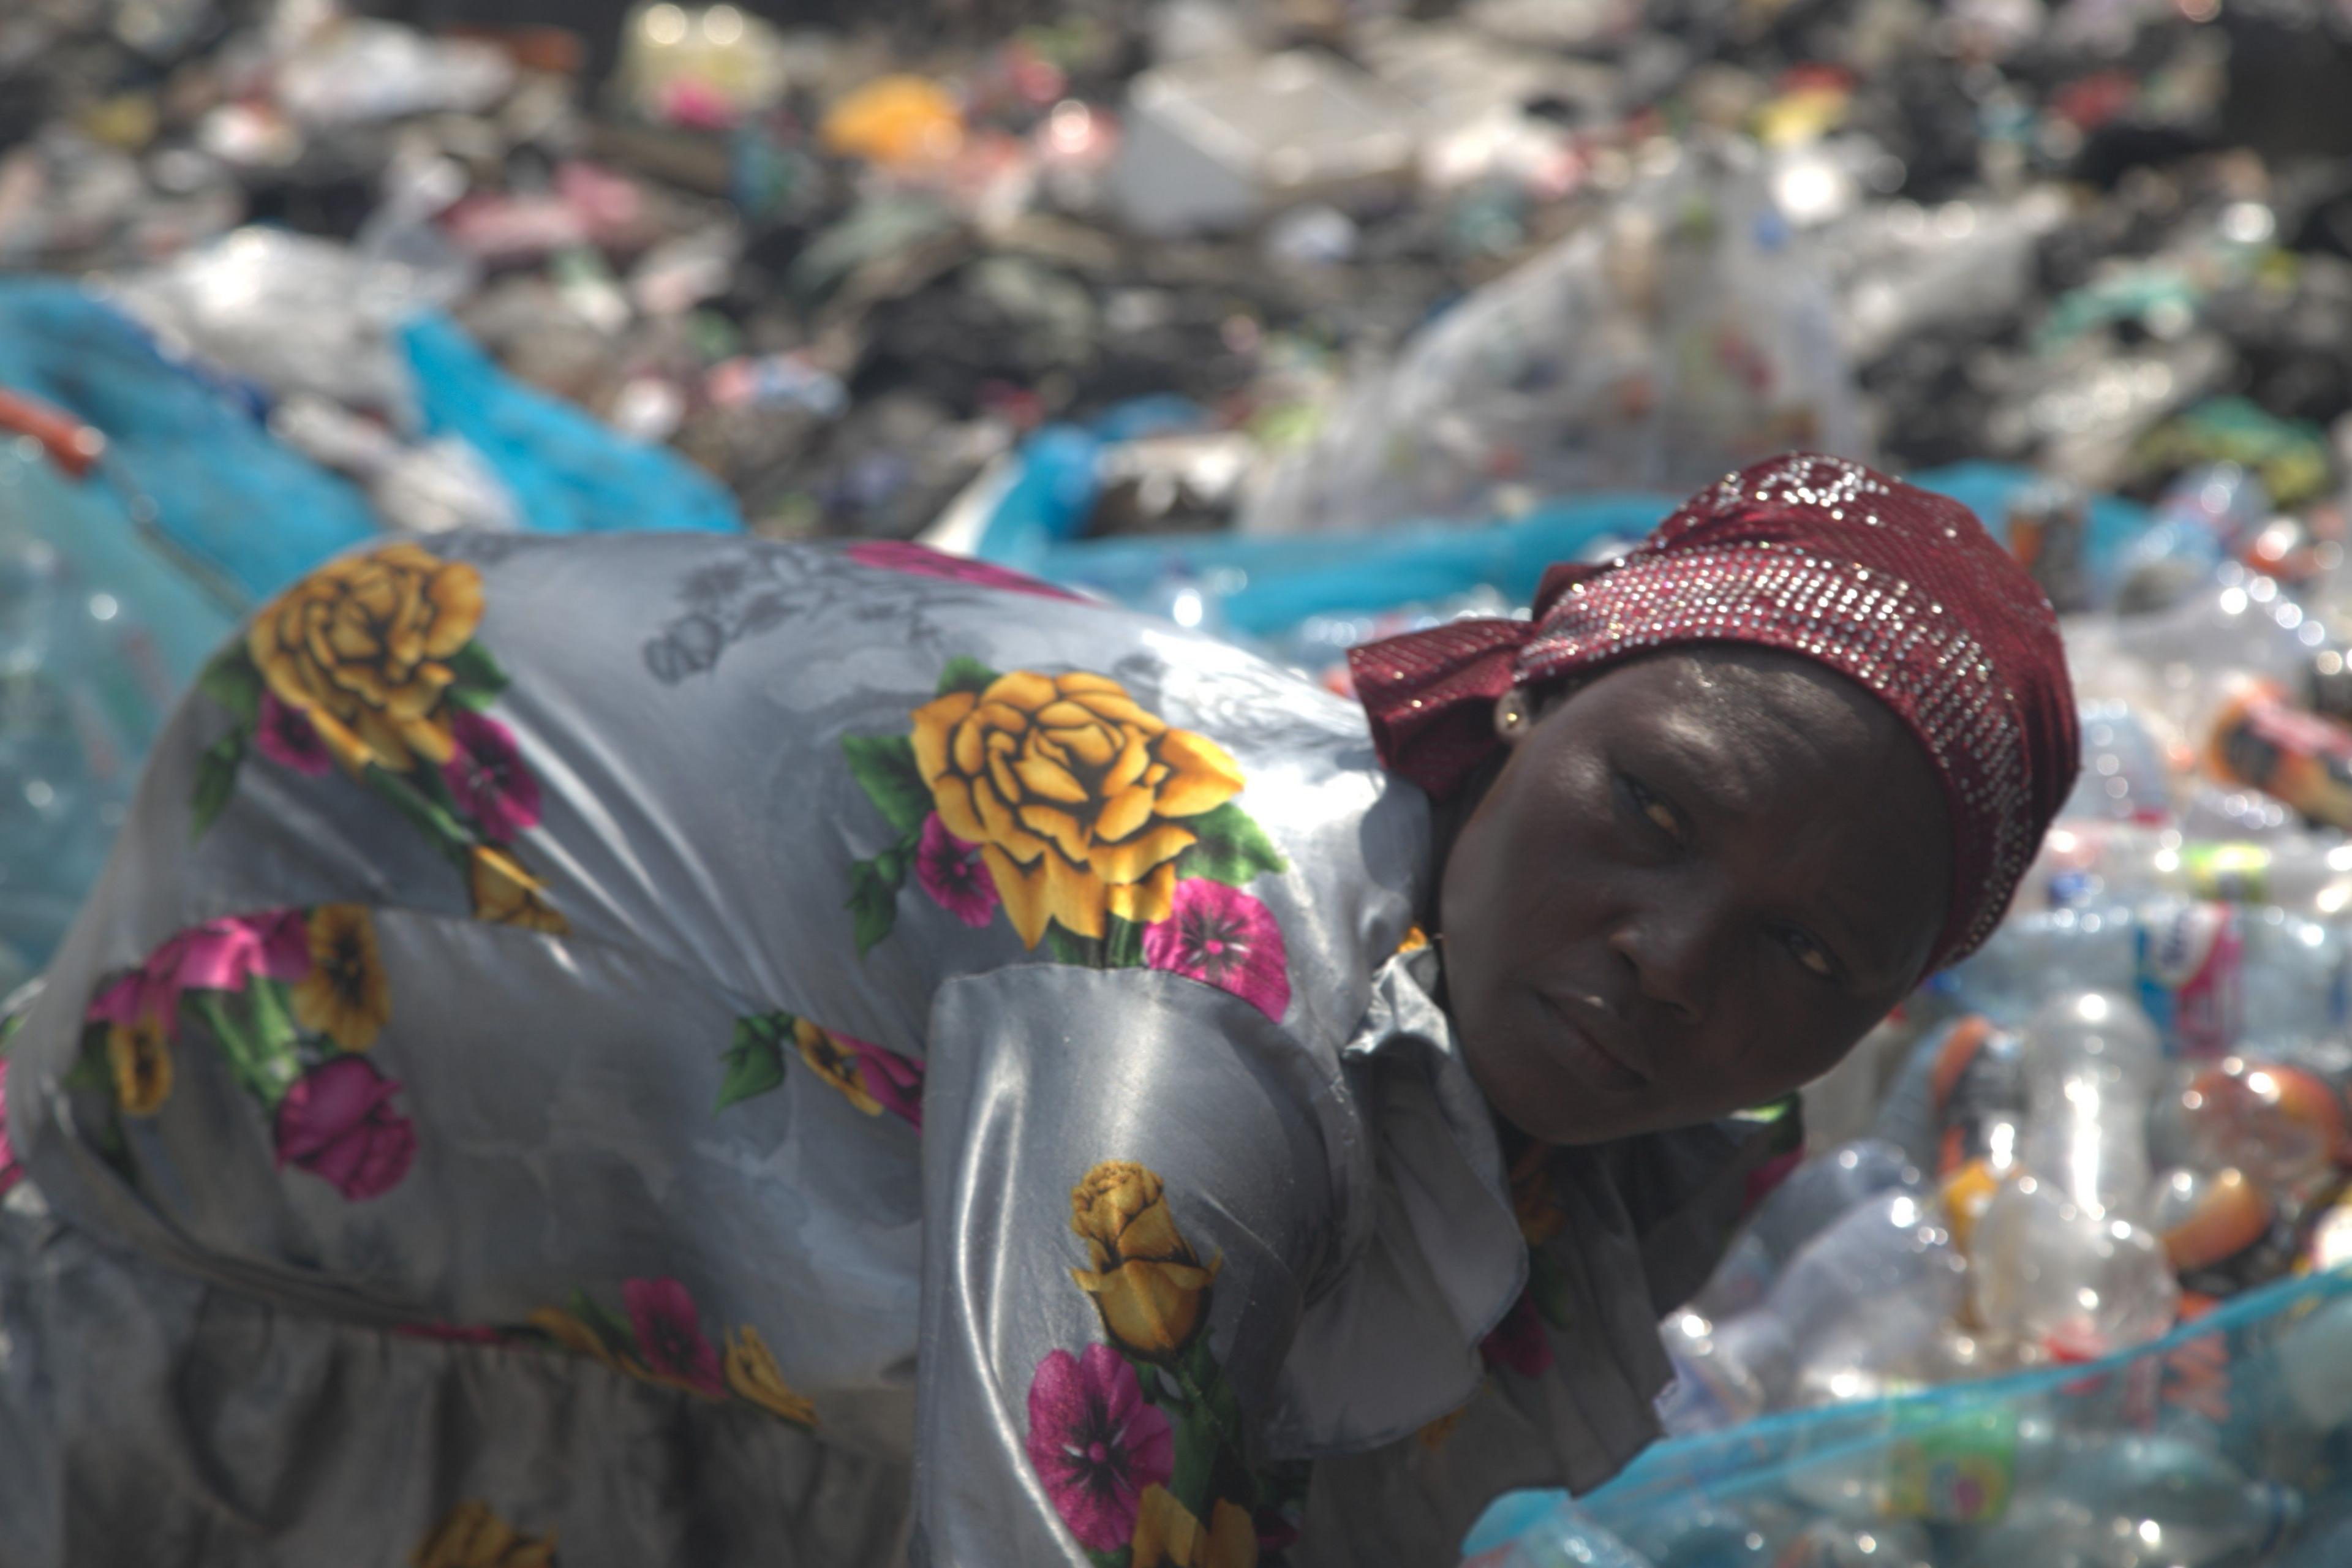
x,y
1532,1092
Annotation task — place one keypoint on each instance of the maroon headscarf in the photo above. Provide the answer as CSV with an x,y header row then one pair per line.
x,y
1899,591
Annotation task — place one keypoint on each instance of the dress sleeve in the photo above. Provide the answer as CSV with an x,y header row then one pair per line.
x,y
1125,1196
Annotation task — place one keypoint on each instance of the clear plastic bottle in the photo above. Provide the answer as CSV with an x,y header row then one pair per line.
x,y
2202,1508
1815,1195
2310,1366
1835,1543
2048,532
2092,1065
2206,1218
2325,1545
2211,976
2124,777
2282,1125
2199,521
1862,1309
2260,739
1709,1534
2239,625
2036,954
2090,864
1959,1099
2133,1502
2050,1282
1960,1464
1554,1534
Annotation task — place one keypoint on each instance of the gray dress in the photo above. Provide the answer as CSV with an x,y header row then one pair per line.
x,y
682,1049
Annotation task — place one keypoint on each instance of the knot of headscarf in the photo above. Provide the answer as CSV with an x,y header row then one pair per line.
x,y
1898,590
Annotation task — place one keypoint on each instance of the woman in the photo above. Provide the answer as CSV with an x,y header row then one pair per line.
x,y
661,1049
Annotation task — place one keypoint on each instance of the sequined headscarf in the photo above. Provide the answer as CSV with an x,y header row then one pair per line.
x,y
1900,591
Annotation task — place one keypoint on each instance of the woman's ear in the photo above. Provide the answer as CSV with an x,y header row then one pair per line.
x,y
1514,715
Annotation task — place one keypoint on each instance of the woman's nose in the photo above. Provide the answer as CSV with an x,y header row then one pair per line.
x,y
1668,954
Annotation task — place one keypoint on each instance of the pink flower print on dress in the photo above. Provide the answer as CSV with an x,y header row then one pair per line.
x,y
953,874
11,1171
895,1082
1223,936
218,955
287,738
337,1122
1095,1443
486,774
669,1336
1519,1343
923,561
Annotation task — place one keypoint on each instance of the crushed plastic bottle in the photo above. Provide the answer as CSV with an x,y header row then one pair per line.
x,y
2131,1501
2053,1281
2212,976
2200,522
1557,1535
1862,1307
1814,1197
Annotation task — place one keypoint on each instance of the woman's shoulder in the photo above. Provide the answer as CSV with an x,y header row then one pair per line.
x,y
836,774
1130,797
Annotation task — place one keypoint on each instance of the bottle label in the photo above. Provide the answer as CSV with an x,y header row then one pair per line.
x,y
2190,961
2073,890
2227,873
1953,1469
2298,758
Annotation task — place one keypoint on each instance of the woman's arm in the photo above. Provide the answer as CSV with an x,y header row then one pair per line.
x,y
1124,1196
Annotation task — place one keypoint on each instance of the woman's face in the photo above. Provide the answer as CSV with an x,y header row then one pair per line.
x,y
1699,877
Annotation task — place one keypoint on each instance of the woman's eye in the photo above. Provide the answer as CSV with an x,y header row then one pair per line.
x,y
1661,816
1810,953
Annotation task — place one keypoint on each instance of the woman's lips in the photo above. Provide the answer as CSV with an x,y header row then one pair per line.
x,y
1579,1046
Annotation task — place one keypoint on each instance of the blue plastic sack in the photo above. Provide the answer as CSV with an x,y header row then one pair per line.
x,y
1268,585
568,472
241,511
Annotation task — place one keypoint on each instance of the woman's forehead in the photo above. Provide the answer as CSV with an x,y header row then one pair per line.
x,y
1755,691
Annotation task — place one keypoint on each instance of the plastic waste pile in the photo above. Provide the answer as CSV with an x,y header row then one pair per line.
x,y
1371,261
1304,320
2071,1289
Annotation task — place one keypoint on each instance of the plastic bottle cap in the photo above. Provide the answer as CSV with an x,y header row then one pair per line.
x,y
2076,1344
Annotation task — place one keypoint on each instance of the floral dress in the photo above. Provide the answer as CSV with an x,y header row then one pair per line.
x,y
682,1049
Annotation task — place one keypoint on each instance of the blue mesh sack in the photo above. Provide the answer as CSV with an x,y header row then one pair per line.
x,y
97,637
2227,1442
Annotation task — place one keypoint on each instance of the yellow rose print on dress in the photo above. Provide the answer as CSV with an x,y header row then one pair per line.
x,y
361,648
372,662
1138,1442
1075,795
752,1374
471,1536
1147,1281
1104,832
1168,1535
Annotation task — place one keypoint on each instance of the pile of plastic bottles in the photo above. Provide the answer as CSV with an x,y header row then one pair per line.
x,y
2074,1299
